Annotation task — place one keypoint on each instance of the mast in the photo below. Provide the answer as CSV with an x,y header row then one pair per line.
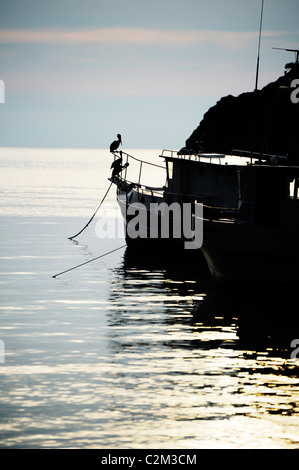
x,y
259,47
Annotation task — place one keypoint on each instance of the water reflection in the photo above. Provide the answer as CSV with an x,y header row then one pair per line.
x,y
208,363
257,320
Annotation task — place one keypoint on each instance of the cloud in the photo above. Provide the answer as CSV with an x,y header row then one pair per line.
x,y
220,80
137,36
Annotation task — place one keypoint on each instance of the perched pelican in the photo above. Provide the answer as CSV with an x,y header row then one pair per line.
x,y
115,144
117,166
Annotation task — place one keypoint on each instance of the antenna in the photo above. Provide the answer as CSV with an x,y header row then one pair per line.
x,y
259,47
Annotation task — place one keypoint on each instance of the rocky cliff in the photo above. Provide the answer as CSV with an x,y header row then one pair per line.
x,y
265,121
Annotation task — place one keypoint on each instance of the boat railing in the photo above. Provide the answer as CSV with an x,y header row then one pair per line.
x,y
142,164
186,154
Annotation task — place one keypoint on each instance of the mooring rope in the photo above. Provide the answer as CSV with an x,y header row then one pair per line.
x,y
74,236
86,262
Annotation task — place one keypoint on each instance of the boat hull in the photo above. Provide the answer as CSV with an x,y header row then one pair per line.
x,y
234,252
232,266
243,253
143,233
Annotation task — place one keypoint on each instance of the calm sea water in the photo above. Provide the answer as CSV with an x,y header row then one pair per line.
x,y
127,351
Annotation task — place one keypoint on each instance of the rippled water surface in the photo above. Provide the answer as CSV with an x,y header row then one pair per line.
x,y
132,350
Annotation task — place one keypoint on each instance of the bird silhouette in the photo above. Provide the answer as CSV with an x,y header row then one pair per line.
x,y
117,166
115,144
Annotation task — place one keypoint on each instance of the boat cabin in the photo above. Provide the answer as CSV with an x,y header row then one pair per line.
x,y
230,187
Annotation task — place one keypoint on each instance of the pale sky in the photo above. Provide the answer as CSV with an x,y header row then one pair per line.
x,y
78,72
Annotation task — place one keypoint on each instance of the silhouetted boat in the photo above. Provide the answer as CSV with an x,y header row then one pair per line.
x,y
250,212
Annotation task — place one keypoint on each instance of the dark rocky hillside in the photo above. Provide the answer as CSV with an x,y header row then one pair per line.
x,y
265,121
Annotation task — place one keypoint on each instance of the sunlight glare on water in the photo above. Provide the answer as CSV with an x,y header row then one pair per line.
x,y
127,352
